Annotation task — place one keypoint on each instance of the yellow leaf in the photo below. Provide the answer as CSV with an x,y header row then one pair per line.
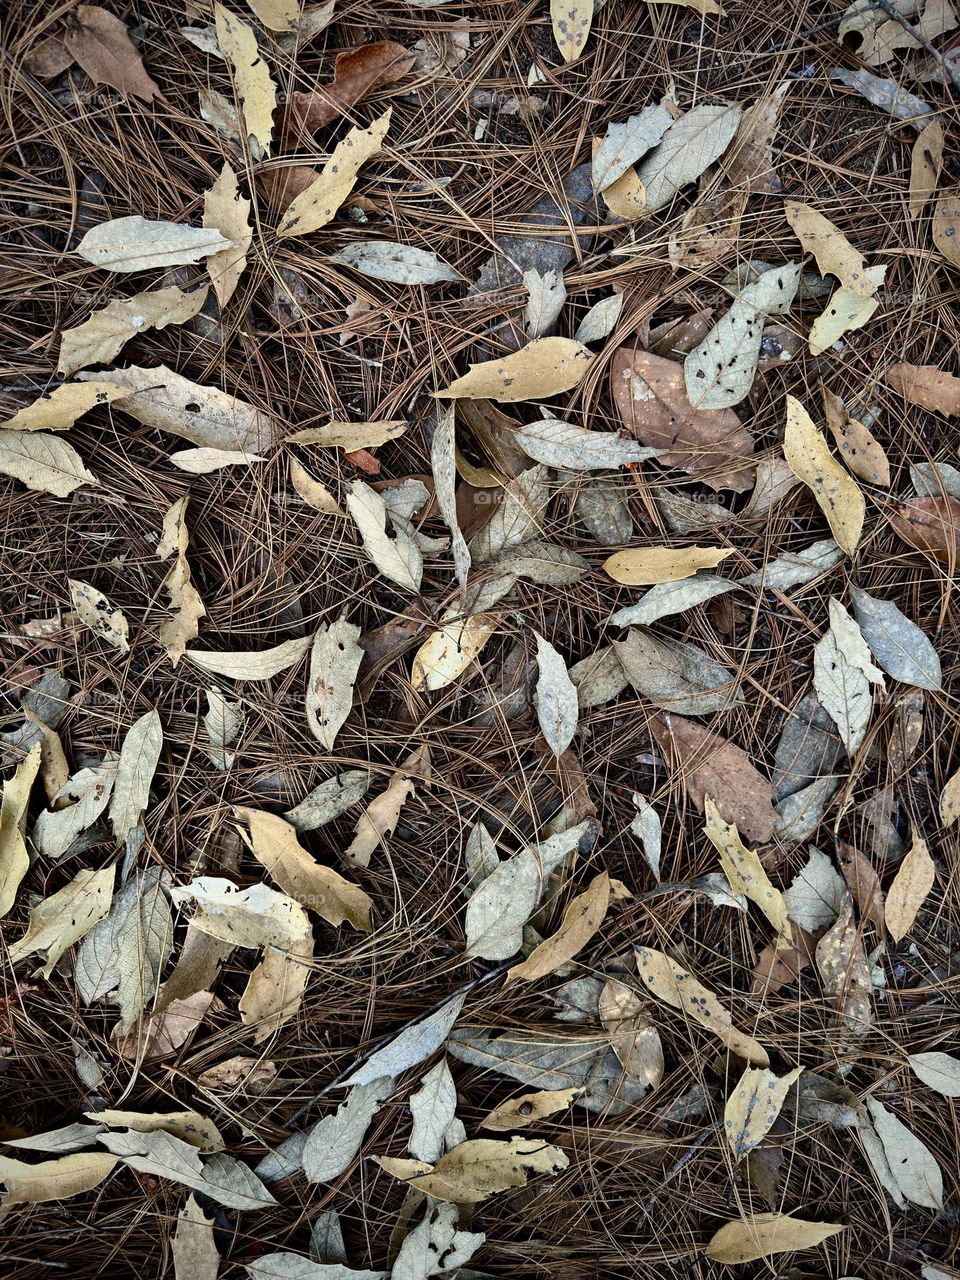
x,y
383,812
350,435
226,210
177,633
581,920
53,1179
834,253
43,462
646,566
861,452
478,1168
759,1235
96,612
451,650
926,161
544,367
627,197
811,461
64,405
911,885
529,1108
313,493
673,984
65,917
278,15
946,228
314,208
744,870
275,845
571,20
192,1127
846,310
255,89
274,990
950,800
753,1106
14,859
54,769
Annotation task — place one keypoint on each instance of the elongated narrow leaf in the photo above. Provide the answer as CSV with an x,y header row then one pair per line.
x,y
744,870
762,1235
252,666
898,645
396,263
581,920
443,451
560,444
255,89
335,659
411,1047
14,859
65,917
135,244
811,461
398,558
557,708
135,769
544,367
317,205
910,888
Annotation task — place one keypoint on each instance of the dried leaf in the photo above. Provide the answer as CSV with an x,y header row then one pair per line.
x,y
560,444
753,1107
329,800
842,673
547,294
643,566
190,1126
451,650
249,1075
333,1143
863,883
88,792
744,871
571,21
669,598
908,892
675,676
99,41
795,569
811,461
195,1255
624,144
229,212
845,973
926,386
43,463
926,162
477,1169
313,493
749,160
220,1177
318,204
411,1047
689,146
383,812
105,332
72,1137
177,632
357,72
544,367
53,1179
136,244
54,769
350,436
861,452
397,558
436,1246
601,320
334,662
255,90
65,917
275,846
135,769
898,645
886,94
96,612
938,1071
60,408
200,462
292,1266
675,986
815,897
931,525
633,1036
518,517
433,1108
900,1160
396,263
252,666
443,450
529,1108
581,920
556,698
945,228
834,253
14,859
761,1235
846,310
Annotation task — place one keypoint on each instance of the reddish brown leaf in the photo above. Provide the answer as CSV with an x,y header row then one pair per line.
x,y
282,186
863,882
651,399
357,72
929,524
927,386
102,46
363,460
774,969
712,766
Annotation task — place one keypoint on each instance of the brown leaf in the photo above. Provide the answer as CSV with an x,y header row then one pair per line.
x,y
226,210
357,72
49,58
929,524
863,882
651,399
101,44
927,386
581,920
858,448
910,888
713,766
926,161
845,972
161,1034
777,967
383,812
749,158
633,1035
946,228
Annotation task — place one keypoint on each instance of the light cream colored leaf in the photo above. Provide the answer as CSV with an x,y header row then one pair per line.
x,y
279,15
911,885
252,666
335,659
88,793
61,407
689,146
99,339
529,1108
412,1046
43,463
54,769
229,213
178,631
950,800
861,452
435,1246
761,1235
633,1036
841,676
581,920
65,917
383,812
834,253
313,493
14,859
53,1179
275,846
556,698
926,162
200,462
624,144
946,226
675,986
255,90
644,566
570,448
396,263
939,1071
224,724
205,416
646,826
745,872
845,311
317,205
900,1160
601,320
397,558
194,1251
136,244
96,612
546,294
333,1143
811,461
450,650
443,464
329,800
753,1107
571,21
544,367
189,1126
135,769
433,1107
518,518
161,1033
479,1168
164,1156
720,371
350,436
815,897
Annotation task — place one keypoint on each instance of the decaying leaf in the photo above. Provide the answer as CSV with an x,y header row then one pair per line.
x,y
601,320
329,800
624,144
412,1046
335,659
225,209
43,462
383,812
834,253
357,72
898,645
932,525
571,21
688,147
96,612
254,87
252,666
317,205
14,859
436,1246
744,871
178,631
477,1169
135,769
811,461
313,493
945,228
350,436
675,676
190,1126
926,386
559,444
544,367
398,558
845,973
556,698
668,598
333,1143
100,42
938,1071
136,244
847,309
753,1107
103,334
249,1075
528,1109
842,675
815,897
911,885
433,1108
195,1255
74,808
200,462
861,452
65,917
581,920
518,517
761,1235
396,263
643,566
646,826
220,1176
60,408
926,161
633,1035
450,650
53,1179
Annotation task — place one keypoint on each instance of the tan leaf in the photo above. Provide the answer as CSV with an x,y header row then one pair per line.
x,y
96,612
675,986
744,870
317,205
350,436
99,339
544,367
712,766
863,883
43,462
313,493
927,386
858,448
228,212
274,991
194,1252
321,889
185,601
65,917
61,407
627,197
571,21
200,462
99,41
136,244
529,1108
205,416
926,161
706,8
946,228
451,650
398,558
14,859
753,1107
811,461
192,1127
278,15
383,812
53,1179
165,1031
748,162
54,769
633,1035
834,253
845,973
255,89
908,892
760,1235
252,666
846,310
478,1168
950,800
645,566
581,920
249,1075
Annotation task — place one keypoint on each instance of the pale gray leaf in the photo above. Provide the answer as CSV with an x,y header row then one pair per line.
x,y
433,1107
221,1177
668,598
556,698
572,448
333,1142
647,828
689,146
676,676
939,1071
135,769
326,1238
799,814
543,562
816,894
436,1246
443,451
72,1137
601,320
934,479
193,1247
808,748
293,1266
624,144
898,645
518,517
404,500
283,1161
716,887
396,263
135,244
599,678
546,294
794,569
603,510
480,855
578,1000
411,1046
329,800
89,792
397,558
883,93
912,1174
842,675
224,724
334,662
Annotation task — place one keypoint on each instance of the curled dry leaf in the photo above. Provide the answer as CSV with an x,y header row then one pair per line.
x,y
544,367
65,917
581,920
252,666
99,339
249,1075
225,209
912,884
744,871
313,493
383,812
177,632
477,1169
96,612
528,1109
811,461
74,808
251,76
643,566
136,244
357,72
761,1235
14,859
753,1107
314,207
